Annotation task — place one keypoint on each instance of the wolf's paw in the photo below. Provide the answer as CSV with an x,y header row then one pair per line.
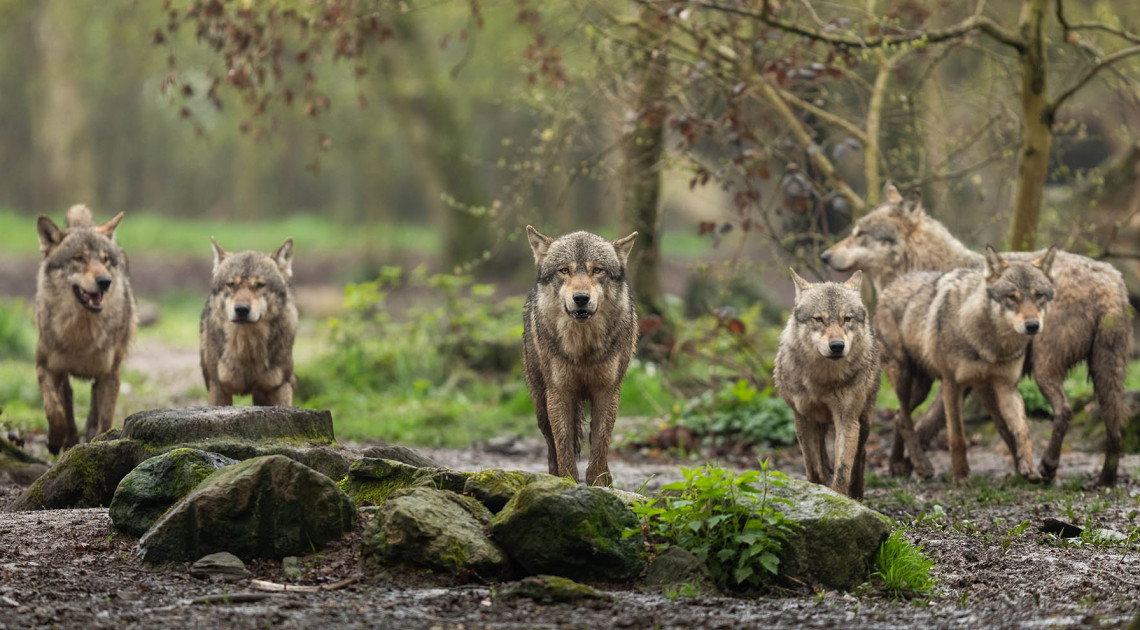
x,y
1030,475
900,468
923,467
962,480
1047,471
1107,478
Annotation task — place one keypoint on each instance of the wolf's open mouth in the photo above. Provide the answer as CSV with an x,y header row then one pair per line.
x,y
90,301
579,314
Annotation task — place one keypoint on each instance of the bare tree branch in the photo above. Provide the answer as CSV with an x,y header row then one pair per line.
x,y
1090,73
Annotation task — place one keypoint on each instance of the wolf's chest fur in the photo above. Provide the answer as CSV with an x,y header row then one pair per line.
x,y
245,360
79,342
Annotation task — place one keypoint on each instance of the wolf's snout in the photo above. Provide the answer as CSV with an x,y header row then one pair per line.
x,y
836,346
241,310
104,283
825,256
1032,326
581,299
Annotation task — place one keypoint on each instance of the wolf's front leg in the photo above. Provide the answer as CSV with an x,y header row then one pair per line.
x,y
1013,413
280,397
956,431
56,392
217,396
846,452
810,435
561,409
104,396
603,415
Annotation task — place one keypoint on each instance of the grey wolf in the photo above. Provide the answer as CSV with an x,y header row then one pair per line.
x,y
579,334
967,328
827,370
85,313
1089,318
248,326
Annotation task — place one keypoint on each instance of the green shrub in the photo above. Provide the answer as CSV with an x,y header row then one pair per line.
x,y
904,568
724,518
17,334
739,412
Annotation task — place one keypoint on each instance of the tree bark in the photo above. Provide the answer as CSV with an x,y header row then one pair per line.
x,y
1036,127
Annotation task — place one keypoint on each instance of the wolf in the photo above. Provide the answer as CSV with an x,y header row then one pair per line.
x,y
85,314
827,370
1089,319
248,326
579,334
967,328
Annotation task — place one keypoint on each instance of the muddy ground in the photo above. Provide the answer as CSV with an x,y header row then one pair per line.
x,y
70,568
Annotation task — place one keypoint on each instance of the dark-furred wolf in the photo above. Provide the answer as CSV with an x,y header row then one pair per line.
x,y
248,326
967,328
579,334
827,370
1088,319
85,313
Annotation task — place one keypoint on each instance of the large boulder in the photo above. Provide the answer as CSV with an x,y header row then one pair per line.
x,y
677,566
434,529
570,531
371,481
85,476
158,483
267,507
494,486
401,454
330,461
159,427
836,537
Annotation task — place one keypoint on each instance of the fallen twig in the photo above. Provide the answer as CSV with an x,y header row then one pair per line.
x,y
274,587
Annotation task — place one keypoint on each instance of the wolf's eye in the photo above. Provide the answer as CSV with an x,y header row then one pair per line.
x,y
259,285
598,270
77,258
1012,297
564,271
231,283
818,319
847,319
103,256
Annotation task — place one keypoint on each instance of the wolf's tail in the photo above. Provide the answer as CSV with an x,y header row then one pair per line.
x,y
80,215
1108,362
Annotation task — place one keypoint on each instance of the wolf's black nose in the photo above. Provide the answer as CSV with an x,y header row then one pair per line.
x,y
825,256
836,346
581,299
1032,326
104,283
241,310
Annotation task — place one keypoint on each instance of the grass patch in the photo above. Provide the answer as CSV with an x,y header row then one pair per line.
x,y
904,568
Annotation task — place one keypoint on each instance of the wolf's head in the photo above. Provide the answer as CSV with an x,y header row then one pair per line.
x,y
877,242
584,270
83,257
830,316
1020,292
249,286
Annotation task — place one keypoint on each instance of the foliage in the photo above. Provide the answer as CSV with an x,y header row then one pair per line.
x,y
739,412
17,338
904,568
725,518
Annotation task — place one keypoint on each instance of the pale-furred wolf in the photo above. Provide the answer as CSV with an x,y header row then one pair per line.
x,y
85,313
579,334
1088,318
969,329
248,326
827,370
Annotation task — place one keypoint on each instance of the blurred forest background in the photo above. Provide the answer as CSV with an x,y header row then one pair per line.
x,y
406,144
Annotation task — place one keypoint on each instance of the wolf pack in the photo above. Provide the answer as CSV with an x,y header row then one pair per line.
x,y
975,323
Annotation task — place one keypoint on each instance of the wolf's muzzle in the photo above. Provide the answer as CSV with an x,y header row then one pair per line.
x,y
1032,326
241,312
836,346
92,301
582,302
104,283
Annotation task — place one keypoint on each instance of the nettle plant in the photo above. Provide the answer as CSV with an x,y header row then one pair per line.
x,y
725,518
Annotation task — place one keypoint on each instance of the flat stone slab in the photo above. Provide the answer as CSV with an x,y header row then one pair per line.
x,y
159,427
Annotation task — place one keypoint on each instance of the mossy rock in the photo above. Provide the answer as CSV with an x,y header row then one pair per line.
x,y
166,427
494,487
677,566
85,476
330,461
570,531
546,590
835,539
17,466
630,499
401,454
434,529
370,481
266,507
158,483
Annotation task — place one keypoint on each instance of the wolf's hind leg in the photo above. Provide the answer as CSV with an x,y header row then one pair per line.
x,y
956,431
603,415
56,392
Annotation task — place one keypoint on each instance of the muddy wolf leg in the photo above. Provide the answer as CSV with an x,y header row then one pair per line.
x,y
861,455
847,443
932,422
539,397
1051,387
104,396
280,397
1107,365
563,414
217,397
1008,412
810,435
58,407
912,388
603,415
956,432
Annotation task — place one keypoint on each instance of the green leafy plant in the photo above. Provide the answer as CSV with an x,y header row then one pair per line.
x,y
740,412
727,519
904,568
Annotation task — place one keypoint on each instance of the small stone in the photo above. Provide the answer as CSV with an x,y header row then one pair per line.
x,y
291,568
401,454
676,566
223,565
551,589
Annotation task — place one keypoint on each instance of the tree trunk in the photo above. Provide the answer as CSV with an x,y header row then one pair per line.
x,y
644,148
1036,127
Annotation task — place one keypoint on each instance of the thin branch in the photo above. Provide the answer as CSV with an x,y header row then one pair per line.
x,y
824,115
1098,26
1090,73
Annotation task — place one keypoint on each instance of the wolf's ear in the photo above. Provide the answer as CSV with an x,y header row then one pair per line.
x,y
622,246
284,258
50,234
995,264
855,281
891,194
1045,262
108,228
801,284
219,254
913,202
539,243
